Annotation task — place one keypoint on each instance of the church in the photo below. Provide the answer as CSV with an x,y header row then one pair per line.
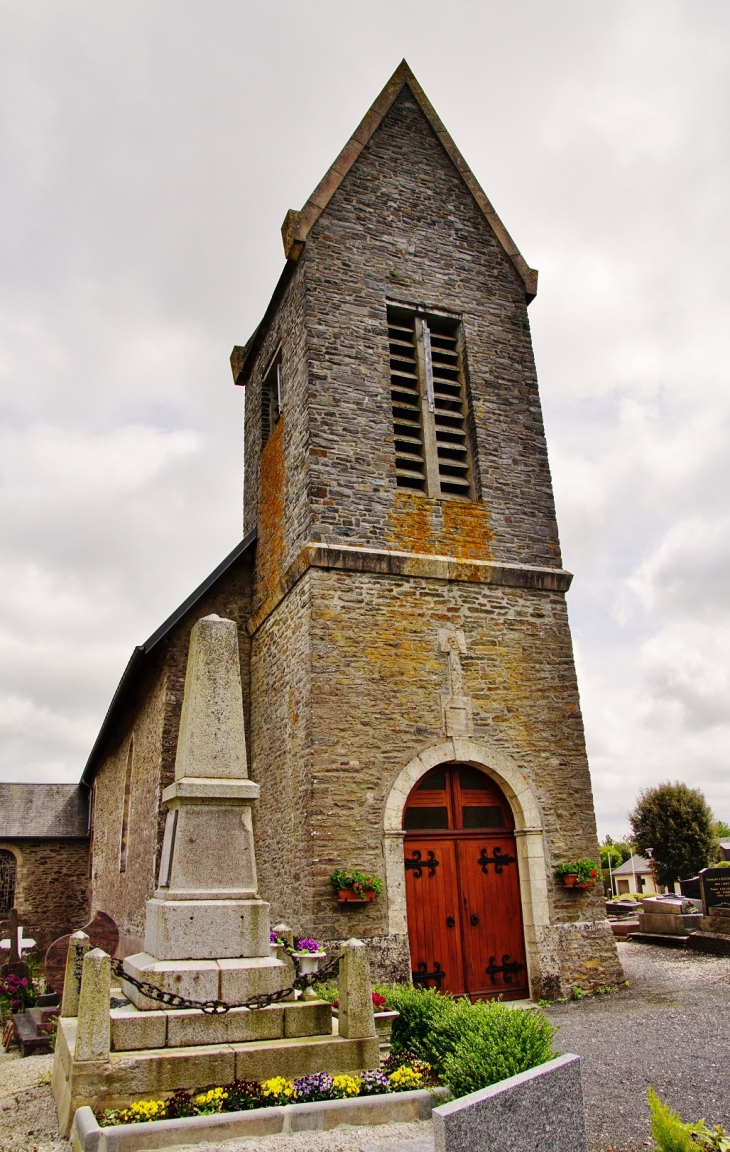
x,y
410,695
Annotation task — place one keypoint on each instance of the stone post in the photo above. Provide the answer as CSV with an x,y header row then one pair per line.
x,y
355,993
78,946
93,1034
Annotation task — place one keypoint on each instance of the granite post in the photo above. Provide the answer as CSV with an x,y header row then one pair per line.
x,y
355,993
93,1034
78,946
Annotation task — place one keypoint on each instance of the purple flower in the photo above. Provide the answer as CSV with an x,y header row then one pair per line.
x,y
374,1083
273,938
308,945
315,1087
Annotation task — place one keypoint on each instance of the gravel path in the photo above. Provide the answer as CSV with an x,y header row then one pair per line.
x,y
670,1028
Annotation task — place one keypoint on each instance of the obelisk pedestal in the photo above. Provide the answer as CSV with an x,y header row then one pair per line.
x,y
207,930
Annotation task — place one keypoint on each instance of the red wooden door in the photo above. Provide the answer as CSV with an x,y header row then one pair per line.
x,y
462,886
432,892
494,949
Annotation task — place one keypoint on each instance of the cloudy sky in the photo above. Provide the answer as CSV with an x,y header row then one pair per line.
x,y
148,154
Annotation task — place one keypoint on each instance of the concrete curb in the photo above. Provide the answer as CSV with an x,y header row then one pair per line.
x,y
392,1108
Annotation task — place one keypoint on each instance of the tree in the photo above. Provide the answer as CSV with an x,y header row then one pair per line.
x,y
676,822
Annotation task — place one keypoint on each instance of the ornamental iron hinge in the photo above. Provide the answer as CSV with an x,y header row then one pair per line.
x,y
509,967
416,864
423,977
499,859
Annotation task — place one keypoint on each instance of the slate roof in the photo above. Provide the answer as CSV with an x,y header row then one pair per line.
x,y
640,865
43,811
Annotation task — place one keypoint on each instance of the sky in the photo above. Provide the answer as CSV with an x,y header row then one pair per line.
x,y
149,152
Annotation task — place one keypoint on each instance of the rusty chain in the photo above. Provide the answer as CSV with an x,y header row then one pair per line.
x,y
218,1007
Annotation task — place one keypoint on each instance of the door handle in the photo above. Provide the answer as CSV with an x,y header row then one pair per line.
x,y
450,922
474,919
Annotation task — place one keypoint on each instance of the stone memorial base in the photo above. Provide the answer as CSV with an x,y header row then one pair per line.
x,y
714,934
154,1053
232,980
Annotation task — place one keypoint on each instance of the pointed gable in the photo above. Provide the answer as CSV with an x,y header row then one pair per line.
x,y
297,225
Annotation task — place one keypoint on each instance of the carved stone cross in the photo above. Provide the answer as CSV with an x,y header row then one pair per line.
x,y
456,705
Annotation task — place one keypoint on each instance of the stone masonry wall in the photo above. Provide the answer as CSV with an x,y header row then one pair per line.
x,y
402,226
281,756
51,889
123,894
376,675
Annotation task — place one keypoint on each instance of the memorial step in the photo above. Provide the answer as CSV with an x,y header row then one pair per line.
x,y
718,944
662,941
32,1040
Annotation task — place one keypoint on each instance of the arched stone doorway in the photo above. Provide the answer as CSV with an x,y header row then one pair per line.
x,y
462,883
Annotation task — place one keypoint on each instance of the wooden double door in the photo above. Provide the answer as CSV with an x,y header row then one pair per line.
x,y
462,886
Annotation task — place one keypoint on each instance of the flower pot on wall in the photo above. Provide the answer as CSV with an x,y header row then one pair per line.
x,y
570,879
347,896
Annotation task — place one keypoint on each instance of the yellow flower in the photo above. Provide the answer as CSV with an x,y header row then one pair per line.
x,y
344,1086
147,1109
278,1086
405,1079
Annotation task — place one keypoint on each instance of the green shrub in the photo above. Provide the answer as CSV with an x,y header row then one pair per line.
x,y
422,1028
673,1135
667,1128
490,1041
468,1045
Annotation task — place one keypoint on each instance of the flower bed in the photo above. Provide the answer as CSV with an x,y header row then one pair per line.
x,y
241,1095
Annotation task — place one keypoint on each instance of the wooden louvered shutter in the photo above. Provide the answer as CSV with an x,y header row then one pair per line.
x,y
429,405
410,464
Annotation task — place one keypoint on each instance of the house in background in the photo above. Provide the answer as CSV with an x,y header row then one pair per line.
x,y
634,875
44,858
724,849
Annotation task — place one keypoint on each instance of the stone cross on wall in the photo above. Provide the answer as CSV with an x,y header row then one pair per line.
x,y
456,706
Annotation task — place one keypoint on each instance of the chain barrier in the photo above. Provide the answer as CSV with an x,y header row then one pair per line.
x,y
218,1007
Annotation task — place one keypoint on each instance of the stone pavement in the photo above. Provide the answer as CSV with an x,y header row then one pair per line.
x,y
670,1028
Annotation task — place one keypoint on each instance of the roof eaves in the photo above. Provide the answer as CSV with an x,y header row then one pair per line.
x,y
243,357
143,650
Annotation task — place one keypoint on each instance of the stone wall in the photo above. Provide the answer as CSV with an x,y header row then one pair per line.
x,y
348,676
51,887
402,226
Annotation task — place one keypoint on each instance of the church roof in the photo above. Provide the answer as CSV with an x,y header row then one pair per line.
x,y
43,811
297,225
137,659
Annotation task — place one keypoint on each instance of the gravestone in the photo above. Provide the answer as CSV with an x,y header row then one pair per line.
x,y
715,886
16,965
714,934
102,932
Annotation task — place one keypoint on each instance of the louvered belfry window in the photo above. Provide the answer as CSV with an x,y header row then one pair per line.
x,y
429,404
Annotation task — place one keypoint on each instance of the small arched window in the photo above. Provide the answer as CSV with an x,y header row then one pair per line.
x,y
8,867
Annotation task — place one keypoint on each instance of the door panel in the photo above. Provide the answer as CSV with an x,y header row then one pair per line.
x,y
434,914
494,948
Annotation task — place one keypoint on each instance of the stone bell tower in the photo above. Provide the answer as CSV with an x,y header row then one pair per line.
x,y
409,598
